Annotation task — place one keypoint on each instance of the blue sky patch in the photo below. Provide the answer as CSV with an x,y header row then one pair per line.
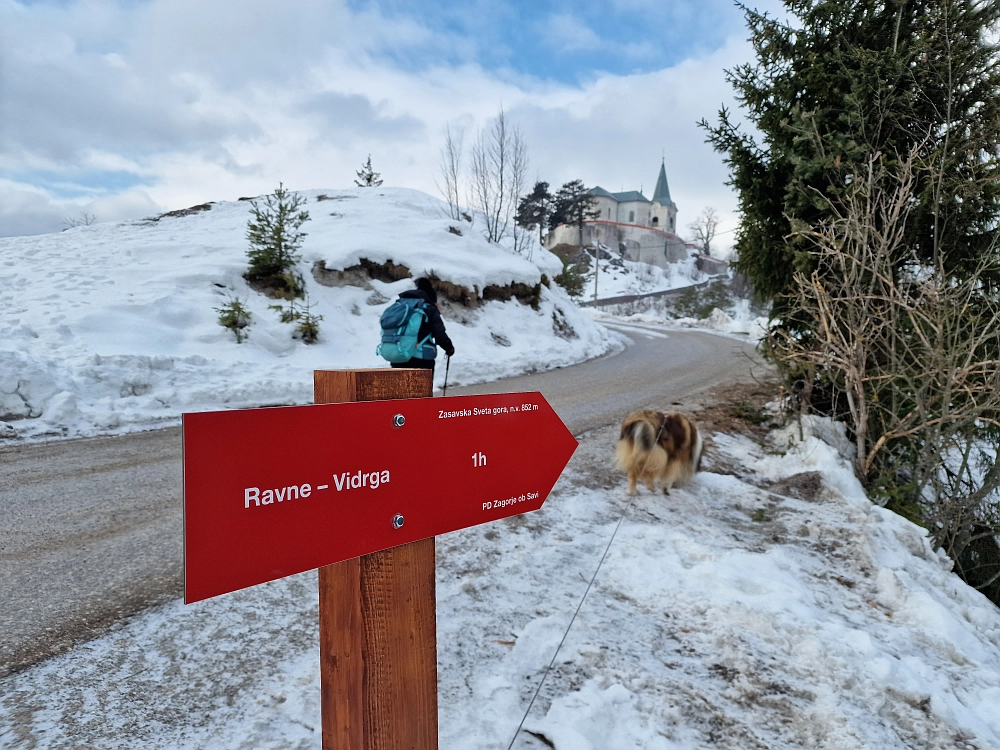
x,y
562,41
89,184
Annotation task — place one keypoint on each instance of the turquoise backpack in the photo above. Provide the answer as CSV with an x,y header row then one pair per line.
x,y
400,328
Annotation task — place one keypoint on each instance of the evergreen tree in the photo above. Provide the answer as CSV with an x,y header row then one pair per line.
x,y
368,177
572,204
308,327
234,316
851,78
533,209
275,238
571,279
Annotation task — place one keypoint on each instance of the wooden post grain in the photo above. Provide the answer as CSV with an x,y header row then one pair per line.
x,y
377,626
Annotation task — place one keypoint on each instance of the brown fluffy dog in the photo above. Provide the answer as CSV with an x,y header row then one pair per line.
x,y
660,446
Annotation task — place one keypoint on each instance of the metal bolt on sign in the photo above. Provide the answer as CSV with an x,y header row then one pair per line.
x,y
398,421
397,521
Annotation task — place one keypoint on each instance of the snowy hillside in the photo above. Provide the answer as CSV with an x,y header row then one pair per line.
x,y
114,327
621,277
768,605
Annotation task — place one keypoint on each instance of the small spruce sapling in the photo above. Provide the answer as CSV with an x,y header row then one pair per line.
x,y
571,279
368,177
286,314
308,327
234,316
275,238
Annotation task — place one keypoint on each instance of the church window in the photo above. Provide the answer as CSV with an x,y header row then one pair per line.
x,y
656,221
631,216
609,214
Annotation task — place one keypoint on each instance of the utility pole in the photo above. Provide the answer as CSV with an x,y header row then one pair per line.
x,y
597,267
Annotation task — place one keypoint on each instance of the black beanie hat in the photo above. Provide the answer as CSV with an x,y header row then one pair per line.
x,y
425,285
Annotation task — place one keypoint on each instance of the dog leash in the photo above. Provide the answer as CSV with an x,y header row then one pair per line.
x,y
572,620
628,505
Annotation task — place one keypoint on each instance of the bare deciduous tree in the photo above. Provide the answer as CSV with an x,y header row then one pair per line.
x,y
913,349
451,171
518,175
499,165
704,229
82,219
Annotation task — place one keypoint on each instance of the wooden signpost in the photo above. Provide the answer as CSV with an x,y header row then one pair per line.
x,y
360,490
377,614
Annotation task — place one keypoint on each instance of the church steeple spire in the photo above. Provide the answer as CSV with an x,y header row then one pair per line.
x,y
661,194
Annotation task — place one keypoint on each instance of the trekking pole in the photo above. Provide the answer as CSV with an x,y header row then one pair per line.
x,y
447,365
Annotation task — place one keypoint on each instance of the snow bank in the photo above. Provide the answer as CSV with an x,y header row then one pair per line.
x,y
113,327
621,277
741,322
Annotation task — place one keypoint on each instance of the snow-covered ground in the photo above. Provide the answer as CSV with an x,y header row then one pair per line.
x,y
768,604
113,327
622,277
738,320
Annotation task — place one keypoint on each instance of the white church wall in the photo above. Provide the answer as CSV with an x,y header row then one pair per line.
x,y
607,208
667,217
564,234
634,212
640,243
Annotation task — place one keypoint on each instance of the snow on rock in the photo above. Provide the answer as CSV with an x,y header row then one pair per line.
x,y
824,429
412,228
768,604
114,327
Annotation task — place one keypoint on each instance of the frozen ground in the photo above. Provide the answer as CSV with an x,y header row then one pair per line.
x,y
738,320
767,605
622,277
113,327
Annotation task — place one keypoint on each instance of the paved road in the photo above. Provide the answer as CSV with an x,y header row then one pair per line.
x,y
90,530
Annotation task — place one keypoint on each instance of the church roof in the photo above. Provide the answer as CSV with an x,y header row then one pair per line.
x,y
634,196
631,195
600,192
628,195
661,194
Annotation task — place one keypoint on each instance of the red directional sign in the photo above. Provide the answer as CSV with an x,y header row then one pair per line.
x,y
273,492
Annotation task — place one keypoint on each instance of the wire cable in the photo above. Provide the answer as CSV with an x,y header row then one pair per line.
x,y
572,620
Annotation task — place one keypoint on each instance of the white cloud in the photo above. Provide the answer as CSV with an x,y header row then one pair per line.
x,y
569,34
26,209
214,101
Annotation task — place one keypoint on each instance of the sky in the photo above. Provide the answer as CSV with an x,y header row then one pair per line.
x,y
126,109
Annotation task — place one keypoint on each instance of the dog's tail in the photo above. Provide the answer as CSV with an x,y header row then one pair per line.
x,y
698,449
643,436
635,446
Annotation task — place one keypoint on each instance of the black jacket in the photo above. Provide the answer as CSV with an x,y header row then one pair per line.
x,y
433,325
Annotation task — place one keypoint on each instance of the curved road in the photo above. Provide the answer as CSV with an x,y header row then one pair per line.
x,y
90,529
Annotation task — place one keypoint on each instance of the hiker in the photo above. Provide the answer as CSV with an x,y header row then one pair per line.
x,y
422,302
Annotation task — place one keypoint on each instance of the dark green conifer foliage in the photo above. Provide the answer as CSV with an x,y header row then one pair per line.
x,y
572,204
308,326
571,279
534,208
275,238
234,316
851,77
367,176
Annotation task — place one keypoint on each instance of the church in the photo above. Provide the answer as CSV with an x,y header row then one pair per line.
x,y
639,228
